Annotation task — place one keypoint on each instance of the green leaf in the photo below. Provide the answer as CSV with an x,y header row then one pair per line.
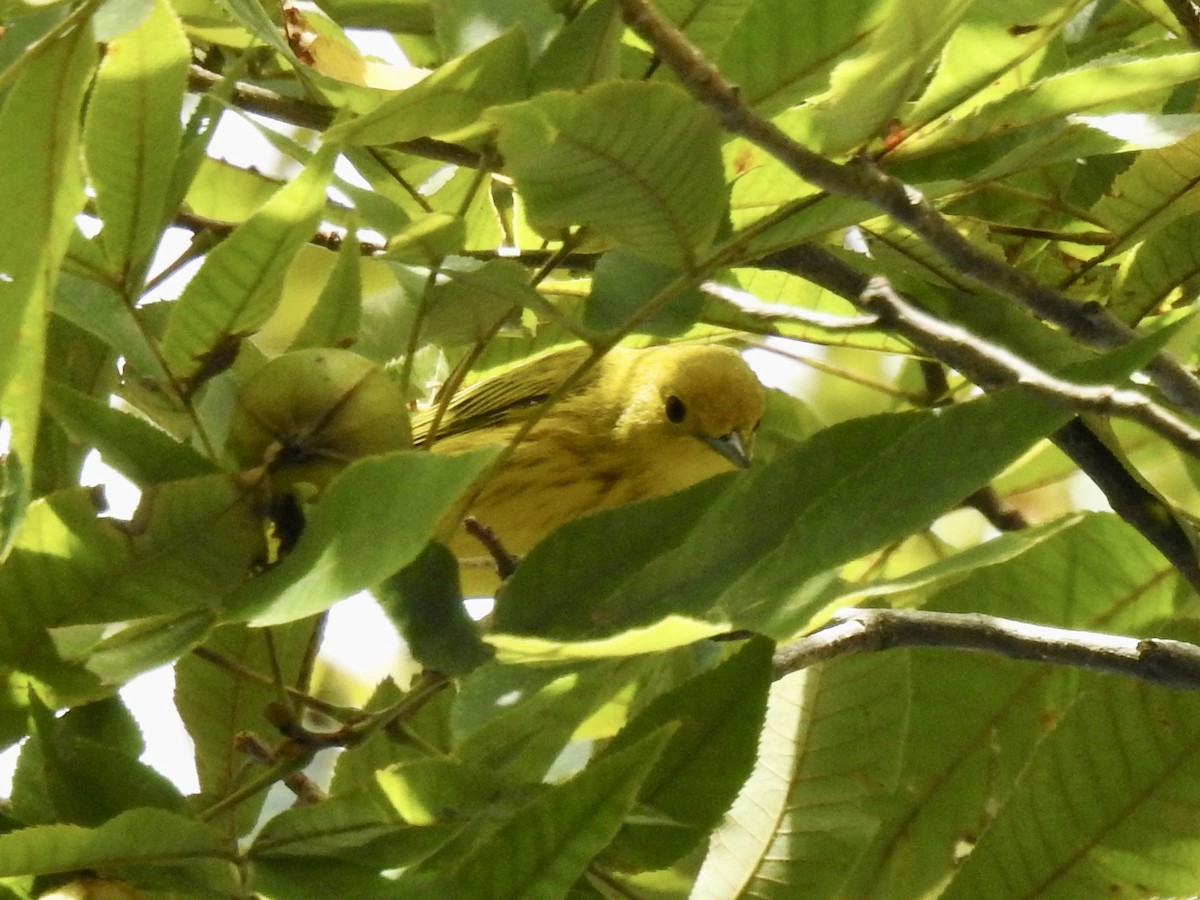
x,y
426,603
639,163
14,497
1168,258
448,103
1116,84
100,310
80,774
140,836
372,520
584,52
465,306
773,70
516,720
827,764
987,57
1099,806
976,719
334,320
623,282
140,84
217,705
190,543
428,240
238,286
869,89
40,175
1156,190
540,852
131,445
718,716
750,554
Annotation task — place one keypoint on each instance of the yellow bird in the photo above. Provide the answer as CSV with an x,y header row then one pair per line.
x,y
641,423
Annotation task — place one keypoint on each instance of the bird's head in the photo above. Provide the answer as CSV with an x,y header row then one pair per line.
x,y
693,408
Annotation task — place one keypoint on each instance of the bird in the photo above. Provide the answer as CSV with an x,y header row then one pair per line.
x,y
642,422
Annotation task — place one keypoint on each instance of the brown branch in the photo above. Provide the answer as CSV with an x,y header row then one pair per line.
x,y
991,367
254,99
1187,15
863,180
1172,663
1130,499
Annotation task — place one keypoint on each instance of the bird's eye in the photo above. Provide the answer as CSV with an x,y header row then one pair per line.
x,y
676,411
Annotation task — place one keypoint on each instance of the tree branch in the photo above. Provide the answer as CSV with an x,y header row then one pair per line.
x,y
862,179
1130,499
1188,17
1172,663
991,367
263,102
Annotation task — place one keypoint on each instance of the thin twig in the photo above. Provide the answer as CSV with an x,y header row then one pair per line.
x,y
1131,500
255,99
338,713
863,180
1167,662
991,367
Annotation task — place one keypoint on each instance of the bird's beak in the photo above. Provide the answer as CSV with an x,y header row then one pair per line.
x,y
731,447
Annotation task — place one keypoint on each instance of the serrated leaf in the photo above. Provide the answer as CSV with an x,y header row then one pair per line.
x,y
870,88
372,520
718,716
996,49
140,84
1117,84
217,705
426,603
827,764
465,306
640,163
83,766
1101,805
334,320
773,70
449,102
745,554
190,543
14,497
1157,189
623,282
1167,259
238,286
540,852
40,175
138,837
976,719
586,50
517,719
135,448
428,240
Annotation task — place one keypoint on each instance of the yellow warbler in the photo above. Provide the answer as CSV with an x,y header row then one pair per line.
x,y
641,423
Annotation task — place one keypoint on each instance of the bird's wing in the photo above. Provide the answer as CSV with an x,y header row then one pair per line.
x,y
503,398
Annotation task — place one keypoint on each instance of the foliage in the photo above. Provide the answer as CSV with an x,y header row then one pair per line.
x,y
244,342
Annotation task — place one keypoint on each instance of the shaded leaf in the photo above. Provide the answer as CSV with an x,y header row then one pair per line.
x,y
40,175
238,286
449,102
639,163
372,520
827,763
140,84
